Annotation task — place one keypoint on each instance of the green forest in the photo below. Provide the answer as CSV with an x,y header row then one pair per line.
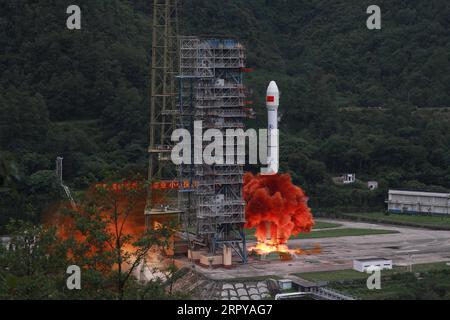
x,y
371,102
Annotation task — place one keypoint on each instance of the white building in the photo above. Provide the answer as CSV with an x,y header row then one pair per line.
x,y
418,202
349,178
285,284
361,265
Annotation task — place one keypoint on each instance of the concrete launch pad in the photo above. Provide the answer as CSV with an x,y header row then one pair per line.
x,y
409,245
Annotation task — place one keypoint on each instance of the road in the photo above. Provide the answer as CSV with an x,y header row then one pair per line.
x,y
408,245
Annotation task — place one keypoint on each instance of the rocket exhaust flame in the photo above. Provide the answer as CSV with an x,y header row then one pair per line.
x,y
263,249
277,209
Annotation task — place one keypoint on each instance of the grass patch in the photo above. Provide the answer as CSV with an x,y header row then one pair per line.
x,y
325,225
254,279
289,291
434,222
433,283
333,233
426,267
350,274
250,233
332,276
344,232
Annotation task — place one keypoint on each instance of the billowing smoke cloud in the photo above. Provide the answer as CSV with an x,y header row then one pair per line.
x,y
274,202
130,204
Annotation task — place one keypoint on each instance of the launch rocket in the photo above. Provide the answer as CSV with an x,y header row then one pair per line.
x,y
272,103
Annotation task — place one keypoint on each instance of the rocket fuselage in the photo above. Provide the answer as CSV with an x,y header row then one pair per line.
x,y
272,104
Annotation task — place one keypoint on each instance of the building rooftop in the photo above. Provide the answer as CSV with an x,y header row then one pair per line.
x,y
372,259
420,193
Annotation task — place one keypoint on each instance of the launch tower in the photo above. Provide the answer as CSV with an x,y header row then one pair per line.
x,y
211,90
164,113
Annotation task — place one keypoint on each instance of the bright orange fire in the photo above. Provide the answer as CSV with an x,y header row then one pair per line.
x,y
276,209
266,248
130,213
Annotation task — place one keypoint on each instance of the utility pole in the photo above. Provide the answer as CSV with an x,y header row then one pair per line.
x,y
59,177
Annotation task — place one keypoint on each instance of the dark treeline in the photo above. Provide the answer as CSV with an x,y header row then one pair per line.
x,y
353,100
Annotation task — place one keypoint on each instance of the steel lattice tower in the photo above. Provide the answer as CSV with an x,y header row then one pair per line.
x,y
163,110
212,92
193,80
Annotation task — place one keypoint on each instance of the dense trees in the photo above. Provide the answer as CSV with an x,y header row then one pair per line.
x,y
428,285
80,95
101,237
370,102
32,267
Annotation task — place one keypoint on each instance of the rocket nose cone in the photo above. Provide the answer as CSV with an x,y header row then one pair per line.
x,y
272,87
273,95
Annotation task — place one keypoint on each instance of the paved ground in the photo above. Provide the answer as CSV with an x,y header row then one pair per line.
x,y
410,244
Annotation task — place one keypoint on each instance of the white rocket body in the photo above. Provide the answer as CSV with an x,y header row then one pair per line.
x,y
272,103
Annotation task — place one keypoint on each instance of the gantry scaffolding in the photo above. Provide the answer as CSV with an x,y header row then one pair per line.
x,y
164,113
211,90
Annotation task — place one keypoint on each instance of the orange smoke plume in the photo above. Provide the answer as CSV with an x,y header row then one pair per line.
x,y
117,193
274,202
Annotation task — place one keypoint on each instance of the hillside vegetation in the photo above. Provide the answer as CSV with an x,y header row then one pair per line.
x,y
374,102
